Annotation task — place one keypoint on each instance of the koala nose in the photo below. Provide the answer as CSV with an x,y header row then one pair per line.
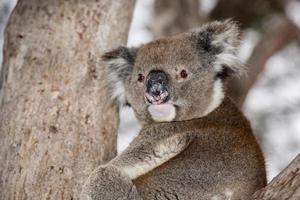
x,y
157,87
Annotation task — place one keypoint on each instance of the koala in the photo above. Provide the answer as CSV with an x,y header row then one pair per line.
x,y
194,142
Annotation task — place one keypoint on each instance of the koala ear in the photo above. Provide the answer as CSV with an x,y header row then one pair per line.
x,y
119,64
218,44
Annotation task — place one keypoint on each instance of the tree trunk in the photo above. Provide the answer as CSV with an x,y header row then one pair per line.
x,y
57,121
286,186
175,16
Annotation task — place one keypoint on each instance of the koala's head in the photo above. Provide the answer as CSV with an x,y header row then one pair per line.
x,y
176,78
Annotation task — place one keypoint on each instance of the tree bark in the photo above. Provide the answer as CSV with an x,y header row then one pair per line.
x,y
174,16
286,186
57,122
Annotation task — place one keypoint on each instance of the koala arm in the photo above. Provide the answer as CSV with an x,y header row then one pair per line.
x,y
108,183
114,180
144,154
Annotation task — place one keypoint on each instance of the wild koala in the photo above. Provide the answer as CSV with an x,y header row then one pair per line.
x,y
194,142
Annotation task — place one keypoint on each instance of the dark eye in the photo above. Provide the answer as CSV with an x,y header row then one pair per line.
x,y
140,78
183,74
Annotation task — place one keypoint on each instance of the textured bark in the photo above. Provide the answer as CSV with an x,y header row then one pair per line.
x,y
57,121
286,186
277,36
175,16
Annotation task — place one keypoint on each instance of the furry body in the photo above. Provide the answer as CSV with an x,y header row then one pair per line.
x,y
194,142
213,166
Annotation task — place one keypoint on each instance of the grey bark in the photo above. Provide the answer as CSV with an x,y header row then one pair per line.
x,y
57,121
286,186
175,16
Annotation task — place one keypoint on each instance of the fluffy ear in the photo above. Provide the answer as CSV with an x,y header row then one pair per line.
x,y
120,63
218,44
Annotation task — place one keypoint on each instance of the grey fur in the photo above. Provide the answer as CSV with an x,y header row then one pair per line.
x,y
207,150
119,70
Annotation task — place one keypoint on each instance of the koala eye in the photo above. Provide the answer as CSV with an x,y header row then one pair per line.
x,y
141,77
183,74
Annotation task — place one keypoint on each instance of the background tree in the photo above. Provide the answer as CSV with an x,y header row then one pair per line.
x,y
57,121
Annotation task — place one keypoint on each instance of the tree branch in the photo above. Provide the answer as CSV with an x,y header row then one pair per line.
x,y
248,13
286,186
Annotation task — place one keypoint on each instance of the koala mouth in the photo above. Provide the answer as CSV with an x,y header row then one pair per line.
x,y
160,109
157,99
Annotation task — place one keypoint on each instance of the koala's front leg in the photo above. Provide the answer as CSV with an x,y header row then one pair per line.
x,y
148,152
108,183
113,181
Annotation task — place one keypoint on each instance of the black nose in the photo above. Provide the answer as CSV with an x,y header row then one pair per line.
x,y
157,85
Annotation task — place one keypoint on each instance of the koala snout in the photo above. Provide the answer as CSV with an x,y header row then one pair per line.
x,y
157,87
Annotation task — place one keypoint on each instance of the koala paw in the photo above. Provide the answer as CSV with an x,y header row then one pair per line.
x,y
108,183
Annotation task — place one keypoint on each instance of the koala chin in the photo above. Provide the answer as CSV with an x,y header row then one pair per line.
x,y
194,142
162,113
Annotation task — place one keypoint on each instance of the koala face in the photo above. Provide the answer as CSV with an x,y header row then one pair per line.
x,y
176,78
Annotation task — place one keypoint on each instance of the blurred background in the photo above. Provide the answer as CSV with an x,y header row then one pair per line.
x,y
269,94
